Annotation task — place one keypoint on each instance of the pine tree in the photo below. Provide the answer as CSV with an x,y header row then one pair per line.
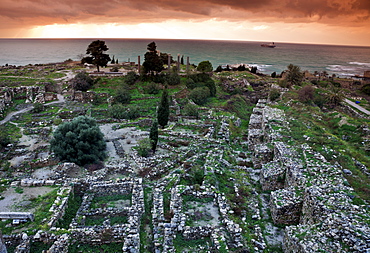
x,y
163,109
153,135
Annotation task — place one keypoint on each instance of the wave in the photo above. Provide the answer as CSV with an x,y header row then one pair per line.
x,y
365,64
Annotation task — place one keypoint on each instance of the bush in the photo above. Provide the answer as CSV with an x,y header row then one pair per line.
x,y
200,95
82,81
131,78
205,66
191,110
172,79
200,80
38,107
274,94
144,147
119,111
366,89
306,94
152,88
123,95
79,141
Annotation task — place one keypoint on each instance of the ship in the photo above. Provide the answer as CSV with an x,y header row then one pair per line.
x,y
271,45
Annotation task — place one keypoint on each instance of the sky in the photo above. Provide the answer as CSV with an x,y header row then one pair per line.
x,y
342,22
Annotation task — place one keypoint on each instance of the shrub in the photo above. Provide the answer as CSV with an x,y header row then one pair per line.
x,y
79,141
38,107
123,95
191,110
119,111
200,95
131,78
274,94
306,94
294,76
366,89
82,81
200,80
172,79
144,147
152,88
273,74
205,66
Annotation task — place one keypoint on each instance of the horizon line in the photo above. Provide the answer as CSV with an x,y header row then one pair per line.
x,y
194,39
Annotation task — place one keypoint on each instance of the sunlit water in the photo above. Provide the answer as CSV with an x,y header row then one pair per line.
x,y
339,60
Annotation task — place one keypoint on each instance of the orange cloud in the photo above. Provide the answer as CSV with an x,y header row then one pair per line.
x,y
16,16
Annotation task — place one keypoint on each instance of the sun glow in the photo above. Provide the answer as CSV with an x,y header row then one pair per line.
x,y
206,29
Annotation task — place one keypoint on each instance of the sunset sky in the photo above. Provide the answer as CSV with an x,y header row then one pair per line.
x,y
345,22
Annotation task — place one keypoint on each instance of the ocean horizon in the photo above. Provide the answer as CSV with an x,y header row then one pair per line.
x,y
341,60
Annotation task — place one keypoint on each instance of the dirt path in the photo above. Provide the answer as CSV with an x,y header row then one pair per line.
x,y
358,107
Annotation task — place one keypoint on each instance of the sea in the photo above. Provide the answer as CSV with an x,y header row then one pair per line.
x,y
343,61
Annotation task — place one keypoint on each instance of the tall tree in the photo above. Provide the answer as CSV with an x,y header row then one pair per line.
x,y
153,135
294,75
163,109
97,56
152,61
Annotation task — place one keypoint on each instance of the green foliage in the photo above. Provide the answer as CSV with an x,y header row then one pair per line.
x,y
38,107
163,109
79,141
8,134
191,110
103,248
74,203
131,78
274,94
39,247
200,95
19,190
201,80
153,135
82,81
181,244
152,62
108,201
172,79
97,56
205,66
335,96
294,75
123,95
366,89
152,88
144,147
119,111
219,69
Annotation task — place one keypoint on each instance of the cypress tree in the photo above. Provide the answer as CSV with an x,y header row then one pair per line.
x,y
153,135
163,109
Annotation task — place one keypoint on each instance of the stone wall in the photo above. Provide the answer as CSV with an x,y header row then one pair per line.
x,y
312,195
32,94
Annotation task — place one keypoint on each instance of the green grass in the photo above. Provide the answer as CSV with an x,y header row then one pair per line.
x,y
109,201
87,248
325,134
181,244
74,203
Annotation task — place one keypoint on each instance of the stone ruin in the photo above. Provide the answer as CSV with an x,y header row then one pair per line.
x,y
310,195
32,94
